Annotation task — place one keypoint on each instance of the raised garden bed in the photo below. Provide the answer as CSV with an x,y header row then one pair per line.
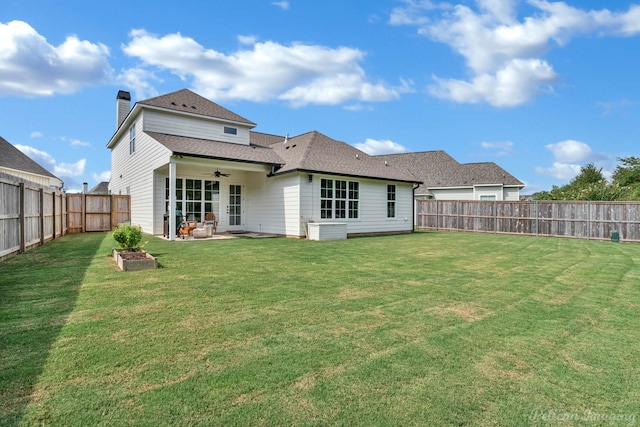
x,y
134,260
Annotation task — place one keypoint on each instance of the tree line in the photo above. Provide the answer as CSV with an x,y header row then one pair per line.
x,y
590,184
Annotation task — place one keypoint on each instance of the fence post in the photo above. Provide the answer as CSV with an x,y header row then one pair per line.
x,y
53,207
536,213
22,232
41,216
588,220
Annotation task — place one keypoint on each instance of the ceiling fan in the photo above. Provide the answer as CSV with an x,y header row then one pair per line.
x,y
218,174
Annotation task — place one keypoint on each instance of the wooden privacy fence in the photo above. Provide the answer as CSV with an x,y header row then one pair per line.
x,y
31,215
96,212
578,219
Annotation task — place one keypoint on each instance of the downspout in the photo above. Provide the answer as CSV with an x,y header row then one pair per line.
x,y
413,211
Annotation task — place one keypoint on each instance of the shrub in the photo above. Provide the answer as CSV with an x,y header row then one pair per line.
x,y
128,237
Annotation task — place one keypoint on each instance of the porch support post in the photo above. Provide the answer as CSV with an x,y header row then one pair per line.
x,y
172,199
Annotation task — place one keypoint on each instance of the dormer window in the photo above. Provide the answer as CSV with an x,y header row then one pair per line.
x,y
230,131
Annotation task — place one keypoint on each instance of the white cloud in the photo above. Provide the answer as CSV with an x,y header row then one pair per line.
x,y
35,134
563,171
78,143
139,81
569,156
570,151
300,74
504,54
104,176
47,161
503,148
30,66
412,13
374,147
248,39
284,5
42,158
70,169
515,84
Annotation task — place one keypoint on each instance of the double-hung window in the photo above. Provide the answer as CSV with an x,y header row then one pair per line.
x,y
132,139
391,201
339,199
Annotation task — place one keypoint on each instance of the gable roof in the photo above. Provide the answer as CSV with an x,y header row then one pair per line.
x,y
437,169
315,152
101,188
12,158
198,147
187,101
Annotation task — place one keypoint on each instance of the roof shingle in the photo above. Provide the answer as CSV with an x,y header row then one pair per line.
x,y
437,169
190,102
12,158
316,152
215,149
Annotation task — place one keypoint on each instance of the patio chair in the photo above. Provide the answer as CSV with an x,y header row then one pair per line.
x,y
210,222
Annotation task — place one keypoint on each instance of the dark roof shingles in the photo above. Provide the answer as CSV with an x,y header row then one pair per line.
x,y
215,149
437,169
190,102
11,157
315,152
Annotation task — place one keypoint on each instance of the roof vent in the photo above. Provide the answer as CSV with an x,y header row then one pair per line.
x,y
286,138
386,163
173,103
357,156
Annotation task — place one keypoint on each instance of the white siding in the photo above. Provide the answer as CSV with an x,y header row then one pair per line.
x,y
495,192
45,181
133,174
453,194
372,205
511,194
273,204
194,127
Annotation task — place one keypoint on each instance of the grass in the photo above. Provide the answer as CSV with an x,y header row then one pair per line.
x,y
421,329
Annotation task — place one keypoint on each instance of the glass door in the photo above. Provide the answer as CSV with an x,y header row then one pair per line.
x,y
234,208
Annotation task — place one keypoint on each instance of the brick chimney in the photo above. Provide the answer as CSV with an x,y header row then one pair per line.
x,y
123,105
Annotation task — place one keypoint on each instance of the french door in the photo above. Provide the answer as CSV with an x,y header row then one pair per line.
x,y
234,207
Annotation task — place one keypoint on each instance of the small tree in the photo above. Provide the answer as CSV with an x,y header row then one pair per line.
x,y
128,237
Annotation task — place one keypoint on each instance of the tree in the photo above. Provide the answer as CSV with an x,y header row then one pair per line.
x,y
628,173
589,184
589,174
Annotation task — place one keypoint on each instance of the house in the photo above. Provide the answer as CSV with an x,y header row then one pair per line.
x,y
181,151
100,188
444,178
18,165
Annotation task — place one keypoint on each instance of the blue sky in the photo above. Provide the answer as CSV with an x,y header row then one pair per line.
x,y
539,87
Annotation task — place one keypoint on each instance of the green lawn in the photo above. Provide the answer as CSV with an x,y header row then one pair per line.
x,y
420,329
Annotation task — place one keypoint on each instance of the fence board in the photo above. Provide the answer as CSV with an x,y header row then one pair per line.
x,y
577,219
31,215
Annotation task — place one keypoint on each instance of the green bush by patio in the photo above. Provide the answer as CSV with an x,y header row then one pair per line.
x,y
421,329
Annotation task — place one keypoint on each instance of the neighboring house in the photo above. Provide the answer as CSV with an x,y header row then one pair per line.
x,y
17,164
443,178
101,188
182,152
